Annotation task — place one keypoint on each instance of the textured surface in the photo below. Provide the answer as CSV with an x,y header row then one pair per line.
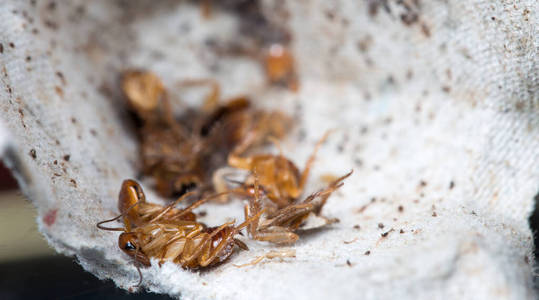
x,y
436,105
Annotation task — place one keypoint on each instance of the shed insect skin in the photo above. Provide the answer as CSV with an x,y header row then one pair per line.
x,y
279,226
279,178
169,237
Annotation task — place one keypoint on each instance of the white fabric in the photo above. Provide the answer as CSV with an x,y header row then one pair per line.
x,y
449,100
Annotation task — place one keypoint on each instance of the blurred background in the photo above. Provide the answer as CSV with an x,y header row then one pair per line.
x,y
30,269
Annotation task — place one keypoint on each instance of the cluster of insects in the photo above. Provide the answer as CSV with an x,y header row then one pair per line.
x,y
184,155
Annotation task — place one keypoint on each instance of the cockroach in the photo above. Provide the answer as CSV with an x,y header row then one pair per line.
x,y
132,204
168,149
137,212
171,234
280,180
183,154
188,243
236,122
144,91
259,127
280,67
279,226
147,97
233,127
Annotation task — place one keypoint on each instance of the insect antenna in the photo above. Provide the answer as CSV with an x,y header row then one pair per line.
x,y
311,158
100,224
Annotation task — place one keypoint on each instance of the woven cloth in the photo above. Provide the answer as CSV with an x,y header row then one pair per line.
x,y
435,106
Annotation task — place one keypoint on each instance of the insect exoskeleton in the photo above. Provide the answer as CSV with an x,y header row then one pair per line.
x,y
182,152
279,178
171,234
132,203
188,243
280,66
279,226
143,91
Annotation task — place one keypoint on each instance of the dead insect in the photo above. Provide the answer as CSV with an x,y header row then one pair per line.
x,y
279,178
144,91
188,243
236,125
169,236
176,162
279,226
182,153
147,97
168,149
280,67
132,204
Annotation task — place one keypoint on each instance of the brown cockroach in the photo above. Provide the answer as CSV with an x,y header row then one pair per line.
x,y
234,127
279,178
237,123
175,162
147,97
171,234
169,151
132,204
181,155
280,67
144,91
279,226
188,243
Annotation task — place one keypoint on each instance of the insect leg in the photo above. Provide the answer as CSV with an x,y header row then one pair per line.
x,y
310,161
